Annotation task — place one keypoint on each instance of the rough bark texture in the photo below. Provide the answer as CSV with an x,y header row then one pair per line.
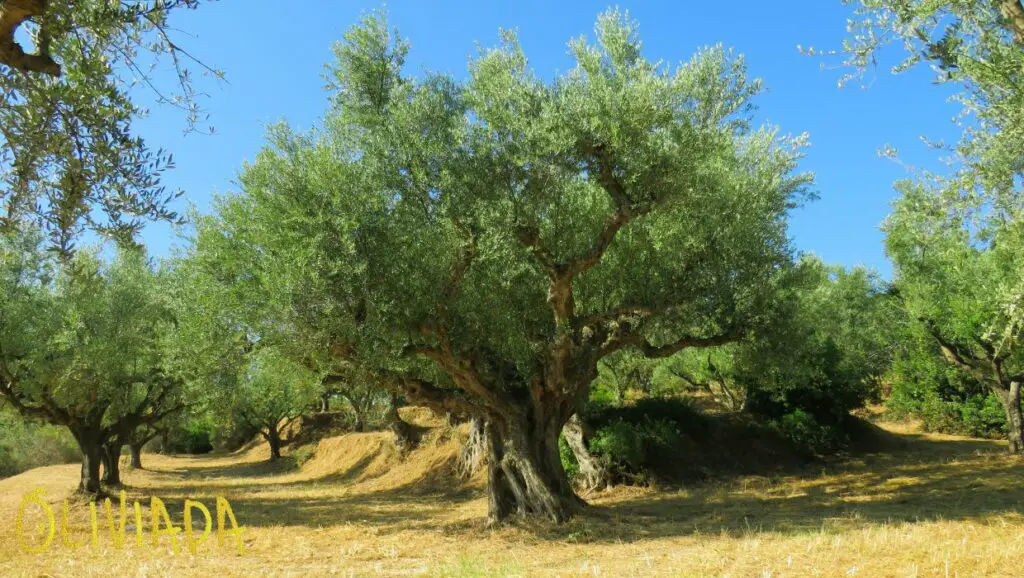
x,y
593,475
1013,12
92,457
136,453
13,13
406,436
1014,421
112,464
471,458
274,440
525,474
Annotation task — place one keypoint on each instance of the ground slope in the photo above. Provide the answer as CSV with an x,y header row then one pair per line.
x,y
941,506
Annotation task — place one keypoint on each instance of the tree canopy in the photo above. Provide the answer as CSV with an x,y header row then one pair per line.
x,y
622,205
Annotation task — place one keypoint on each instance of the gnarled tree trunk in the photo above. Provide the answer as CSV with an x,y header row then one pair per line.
x,y
471,457
1014,421
406,436
90,443
136,453
593,474
112,463
524,471
274,440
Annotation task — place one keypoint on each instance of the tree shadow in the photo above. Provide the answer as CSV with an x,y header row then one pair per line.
x,y
926,480
917,479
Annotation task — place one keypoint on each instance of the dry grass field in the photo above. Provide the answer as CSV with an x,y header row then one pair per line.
x,y
937,506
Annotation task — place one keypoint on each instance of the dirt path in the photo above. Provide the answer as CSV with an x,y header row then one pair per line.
x,y
942,506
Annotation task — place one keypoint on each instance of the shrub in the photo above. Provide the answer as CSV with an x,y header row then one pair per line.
x,y
634,440
946,400
805,431
25,445
193,436
669,440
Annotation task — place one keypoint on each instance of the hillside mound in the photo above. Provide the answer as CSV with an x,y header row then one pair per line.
x,y
371,461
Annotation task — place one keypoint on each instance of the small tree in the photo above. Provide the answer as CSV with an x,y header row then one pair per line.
x,y
271,392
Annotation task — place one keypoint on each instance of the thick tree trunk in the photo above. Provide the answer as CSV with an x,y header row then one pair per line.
x,y
1014,421
359,426
92,457
274,440
472,455
406,436
112,464
524,472
136,452
593,474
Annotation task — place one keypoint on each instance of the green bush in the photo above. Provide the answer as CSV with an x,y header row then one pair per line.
x,y
25,445
193,436
634,440
670,441
946,400
805,431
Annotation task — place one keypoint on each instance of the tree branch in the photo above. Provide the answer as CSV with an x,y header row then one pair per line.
x,y
1013,12
12,14
658,351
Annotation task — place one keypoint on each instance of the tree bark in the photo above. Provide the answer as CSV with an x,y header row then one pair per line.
x,y
472,455
92,457
593,475
524,471
406,436
112,463
1014,420
274,440
325,402
136,452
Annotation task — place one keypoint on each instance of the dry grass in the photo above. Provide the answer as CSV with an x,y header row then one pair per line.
x,y
942,506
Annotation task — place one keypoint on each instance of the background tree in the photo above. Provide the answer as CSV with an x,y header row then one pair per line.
x,y
92,358
972,213
959,270
270,393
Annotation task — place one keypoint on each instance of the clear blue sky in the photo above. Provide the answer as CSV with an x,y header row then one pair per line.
x,y
274,58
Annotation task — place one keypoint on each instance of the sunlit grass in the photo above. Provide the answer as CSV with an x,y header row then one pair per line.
x,y
940,506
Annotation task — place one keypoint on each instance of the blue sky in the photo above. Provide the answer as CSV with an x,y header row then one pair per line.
x,y
274,60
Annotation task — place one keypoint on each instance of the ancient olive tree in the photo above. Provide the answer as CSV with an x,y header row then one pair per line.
x,y
486,243
82,346
69,160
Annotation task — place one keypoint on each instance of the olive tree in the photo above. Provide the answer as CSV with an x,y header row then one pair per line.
x,y
958,269
486,243
69,160
966,290
82,346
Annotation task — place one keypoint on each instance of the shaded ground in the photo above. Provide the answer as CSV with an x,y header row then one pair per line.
x,y
937,506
